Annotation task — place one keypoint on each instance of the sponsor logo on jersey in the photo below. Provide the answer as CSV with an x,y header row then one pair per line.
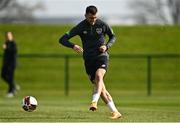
x,y
84,32
103,65
99,30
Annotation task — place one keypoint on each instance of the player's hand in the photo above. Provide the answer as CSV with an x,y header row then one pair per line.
x,y
4,46
103,48
78,49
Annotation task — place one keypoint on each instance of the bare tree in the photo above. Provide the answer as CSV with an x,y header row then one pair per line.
x,y
13,11
156,11
4,3
174,10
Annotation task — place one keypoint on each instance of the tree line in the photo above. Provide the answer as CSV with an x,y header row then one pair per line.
x,y
144,11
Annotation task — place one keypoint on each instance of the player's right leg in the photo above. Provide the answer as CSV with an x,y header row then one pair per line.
x,y
97,88
91,70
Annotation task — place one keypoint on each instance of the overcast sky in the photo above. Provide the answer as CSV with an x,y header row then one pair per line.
x,y
59,8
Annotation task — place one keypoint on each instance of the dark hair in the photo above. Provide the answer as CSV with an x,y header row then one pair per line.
x,y
8,32
91,9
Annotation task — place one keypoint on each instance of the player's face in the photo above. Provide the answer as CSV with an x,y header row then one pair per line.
x,y
91,18
9,36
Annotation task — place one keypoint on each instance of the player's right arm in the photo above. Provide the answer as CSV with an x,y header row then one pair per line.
x,y
64,40
78,49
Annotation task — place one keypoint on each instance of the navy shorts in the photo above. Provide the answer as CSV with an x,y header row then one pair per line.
x,y
92,65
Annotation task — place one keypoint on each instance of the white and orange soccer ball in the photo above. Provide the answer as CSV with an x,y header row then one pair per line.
x,y
29,103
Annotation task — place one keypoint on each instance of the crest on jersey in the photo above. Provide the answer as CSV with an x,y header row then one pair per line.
x,y
99,30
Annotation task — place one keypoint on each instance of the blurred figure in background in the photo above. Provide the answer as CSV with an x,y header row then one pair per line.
x,y
9,63
92,32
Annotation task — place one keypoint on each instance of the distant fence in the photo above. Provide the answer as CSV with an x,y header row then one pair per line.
x,y
147,57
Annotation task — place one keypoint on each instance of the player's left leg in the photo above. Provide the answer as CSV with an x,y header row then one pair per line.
x,y
106,97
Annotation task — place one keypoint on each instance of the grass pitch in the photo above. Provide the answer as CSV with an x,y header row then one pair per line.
x,y
57,108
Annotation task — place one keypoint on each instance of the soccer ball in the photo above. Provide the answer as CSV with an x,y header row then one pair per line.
x,y
29,103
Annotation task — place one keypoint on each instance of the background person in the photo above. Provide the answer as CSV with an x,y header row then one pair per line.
x,y
9,63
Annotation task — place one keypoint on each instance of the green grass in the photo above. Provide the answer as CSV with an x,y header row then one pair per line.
x,y
126,79
57,108
130,39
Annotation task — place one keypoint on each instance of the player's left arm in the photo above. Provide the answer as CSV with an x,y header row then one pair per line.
x,y
111,35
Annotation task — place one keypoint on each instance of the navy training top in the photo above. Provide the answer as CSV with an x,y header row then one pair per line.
x,y
92,37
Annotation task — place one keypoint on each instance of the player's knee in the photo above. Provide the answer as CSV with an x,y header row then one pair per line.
x,y
99,74
98,77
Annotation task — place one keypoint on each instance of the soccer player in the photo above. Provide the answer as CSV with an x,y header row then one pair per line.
x,y
9,63
92,32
